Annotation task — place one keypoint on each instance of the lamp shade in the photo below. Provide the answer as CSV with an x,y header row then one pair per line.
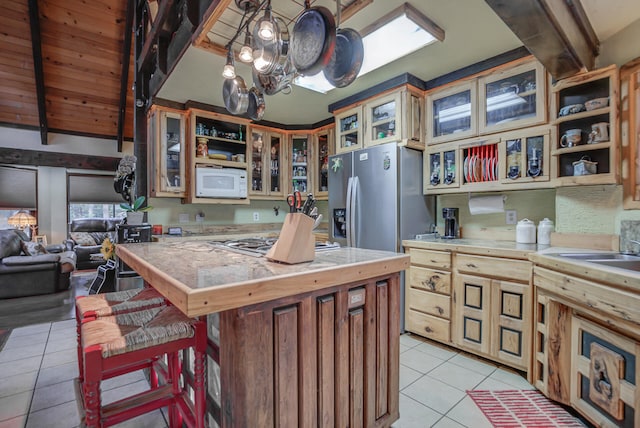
x,y
22,220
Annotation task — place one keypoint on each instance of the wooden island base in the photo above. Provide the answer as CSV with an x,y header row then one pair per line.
x,y
322,359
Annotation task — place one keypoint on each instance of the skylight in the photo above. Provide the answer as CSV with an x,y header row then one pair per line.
x,y
406,30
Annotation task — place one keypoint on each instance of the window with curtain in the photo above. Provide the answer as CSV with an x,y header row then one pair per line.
x,y
18,191
92,196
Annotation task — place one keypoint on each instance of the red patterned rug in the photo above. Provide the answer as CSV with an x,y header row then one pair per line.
x,y
528,408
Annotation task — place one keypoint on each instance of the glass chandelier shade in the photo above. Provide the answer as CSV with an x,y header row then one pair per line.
x,y
265,25
246,52
229,70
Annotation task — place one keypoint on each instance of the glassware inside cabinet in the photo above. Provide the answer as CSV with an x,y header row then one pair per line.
x,y
452,114
383,120
172,162
323,163
349,131
299,165
535,155
514,158
512,98
274,164
257,144
435,160
449,167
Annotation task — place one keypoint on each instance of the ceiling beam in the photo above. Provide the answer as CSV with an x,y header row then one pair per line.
x,y
62,160
124,73
556,32
36,49
150,39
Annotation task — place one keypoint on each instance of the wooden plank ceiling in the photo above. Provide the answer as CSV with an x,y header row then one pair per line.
x,y
82,43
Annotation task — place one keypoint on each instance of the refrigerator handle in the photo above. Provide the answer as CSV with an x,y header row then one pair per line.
x,y
349,209
353,215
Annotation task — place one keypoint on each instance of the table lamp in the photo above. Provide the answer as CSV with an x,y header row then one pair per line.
x,y
22,219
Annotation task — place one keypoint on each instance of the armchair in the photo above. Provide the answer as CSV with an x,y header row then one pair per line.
x,y
28,269
85,239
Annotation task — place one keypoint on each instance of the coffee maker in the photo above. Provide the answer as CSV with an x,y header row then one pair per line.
x,y
450,216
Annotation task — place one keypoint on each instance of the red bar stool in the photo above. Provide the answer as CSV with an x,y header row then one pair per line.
x,y
106,304
113,344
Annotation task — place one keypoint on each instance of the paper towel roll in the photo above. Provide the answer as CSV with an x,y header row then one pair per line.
x,y
487,204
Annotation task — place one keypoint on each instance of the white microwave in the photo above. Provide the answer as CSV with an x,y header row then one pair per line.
x,y
221,183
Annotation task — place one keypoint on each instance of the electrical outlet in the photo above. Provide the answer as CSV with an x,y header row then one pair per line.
x,y
256,216
512,217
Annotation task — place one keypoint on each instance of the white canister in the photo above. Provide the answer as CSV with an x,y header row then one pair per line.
x,y
545,227
526,232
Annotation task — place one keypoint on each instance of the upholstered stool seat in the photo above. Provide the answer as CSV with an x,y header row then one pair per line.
x,y
106,304
114,343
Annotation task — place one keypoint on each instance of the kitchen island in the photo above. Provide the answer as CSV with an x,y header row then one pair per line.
x,y
311,344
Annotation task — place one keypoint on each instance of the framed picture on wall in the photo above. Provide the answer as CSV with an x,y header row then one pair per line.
x,y
40,239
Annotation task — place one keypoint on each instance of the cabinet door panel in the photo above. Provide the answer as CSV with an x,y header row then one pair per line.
x,y
511,322
472,312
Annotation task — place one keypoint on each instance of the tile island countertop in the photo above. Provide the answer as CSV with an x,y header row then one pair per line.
x,y
200,278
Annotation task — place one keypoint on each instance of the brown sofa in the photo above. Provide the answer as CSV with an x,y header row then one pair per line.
x,y
29,269
85,238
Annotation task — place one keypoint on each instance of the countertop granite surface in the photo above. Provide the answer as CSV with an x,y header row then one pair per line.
x,y
201,278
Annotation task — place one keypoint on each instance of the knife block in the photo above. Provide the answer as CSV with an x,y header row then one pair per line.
x,y
296,243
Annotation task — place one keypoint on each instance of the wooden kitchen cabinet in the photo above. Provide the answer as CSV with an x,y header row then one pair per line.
x,y
630,132
428,294
511,98
224,139
492,301
167,152
383,119
452,113
327,358
441,168
526,159
595,149
267,162
323,147
349,129
301,173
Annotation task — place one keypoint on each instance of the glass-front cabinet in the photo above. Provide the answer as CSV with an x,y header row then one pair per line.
x,y
441,168
267,157
300,173
349,130
512,98
526,154
166,152
451,113
322,149
383,120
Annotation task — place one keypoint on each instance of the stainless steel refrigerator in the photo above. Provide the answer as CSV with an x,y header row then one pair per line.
x,y
376,200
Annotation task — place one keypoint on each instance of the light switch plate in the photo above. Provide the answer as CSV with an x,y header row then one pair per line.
x,y
511,216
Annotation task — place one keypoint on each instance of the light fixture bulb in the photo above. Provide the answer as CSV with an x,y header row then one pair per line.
x,y
229,70
265,30
246,53
261,65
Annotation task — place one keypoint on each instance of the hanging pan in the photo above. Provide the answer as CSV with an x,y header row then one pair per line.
x,y
346,60
256,104
235,95
313,39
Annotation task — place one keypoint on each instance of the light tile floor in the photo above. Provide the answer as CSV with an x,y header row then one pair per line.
x,y
38,365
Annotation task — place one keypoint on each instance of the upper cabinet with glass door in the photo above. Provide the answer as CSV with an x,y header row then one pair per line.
x,y
349,130
451,113
512,98
383,120
266,164
167,152
322,149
